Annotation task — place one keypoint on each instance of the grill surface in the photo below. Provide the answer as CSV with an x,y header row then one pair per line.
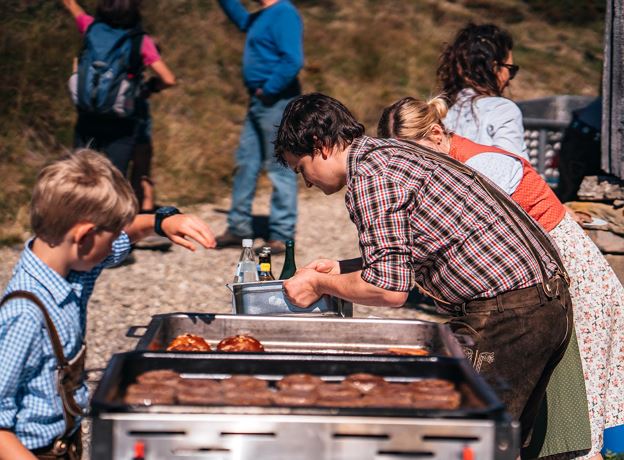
x,y
296,334
245,433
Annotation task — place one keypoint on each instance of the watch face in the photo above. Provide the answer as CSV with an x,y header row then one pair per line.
x,y
166,210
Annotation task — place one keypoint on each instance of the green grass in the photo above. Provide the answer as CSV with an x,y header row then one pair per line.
x,y
612,456
367,53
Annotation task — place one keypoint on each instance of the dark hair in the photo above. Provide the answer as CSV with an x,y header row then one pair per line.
x,y
120,14
312,121
469,62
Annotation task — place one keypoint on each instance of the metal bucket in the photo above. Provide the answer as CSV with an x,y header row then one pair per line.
x,y
267,298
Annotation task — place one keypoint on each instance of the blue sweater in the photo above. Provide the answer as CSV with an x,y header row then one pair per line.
x,y
273,53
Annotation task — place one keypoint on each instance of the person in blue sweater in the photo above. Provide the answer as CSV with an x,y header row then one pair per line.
x,y
272,58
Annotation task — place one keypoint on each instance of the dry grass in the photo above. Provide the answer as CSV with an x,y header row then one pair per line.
x,y
367,53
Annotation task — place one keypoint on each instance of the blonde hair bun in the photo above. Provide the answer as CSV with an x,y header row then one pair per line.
x,y
439,105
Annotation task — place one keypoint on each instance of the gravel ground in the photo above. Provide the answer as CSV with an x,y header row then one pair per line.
x,y
182,281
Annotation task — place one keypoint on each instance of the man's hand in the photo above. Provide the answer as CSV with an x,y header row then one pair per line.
x,y
302,289
182,226
328,266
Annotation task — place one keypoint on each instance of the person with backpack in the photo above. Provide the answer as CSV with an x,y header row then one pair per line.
x,y
109,77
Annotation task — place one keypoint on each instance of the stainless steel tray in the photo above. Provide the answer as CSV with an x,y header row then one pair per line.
x,y
267,298
288,334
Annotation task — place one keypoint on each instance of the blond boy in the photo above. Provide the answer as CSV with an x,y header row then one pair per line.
x,y
83,215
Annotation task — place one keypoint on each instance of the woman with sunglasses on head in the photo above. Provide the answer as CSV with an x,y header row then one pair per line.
x,y
591,367
474,72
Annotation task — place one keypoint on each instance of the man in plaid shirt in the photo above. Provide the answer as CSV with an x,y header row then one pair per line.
x,y
423,222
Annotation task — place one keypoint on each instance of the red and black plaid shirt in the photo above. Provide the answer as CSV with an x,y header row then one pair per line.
x,y
422,221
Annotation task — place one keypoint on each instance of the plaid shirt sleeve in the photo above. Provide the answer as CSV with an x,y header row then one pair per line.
x,y
121,249
381,211
20,339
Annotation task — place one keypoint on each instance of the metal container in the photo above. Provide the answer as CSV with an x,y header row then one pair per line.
x,y
545,120
267,298
479,425
295,334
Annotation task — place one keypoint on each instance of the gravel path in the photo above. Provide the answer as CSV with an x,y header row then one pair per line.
x,y
180,280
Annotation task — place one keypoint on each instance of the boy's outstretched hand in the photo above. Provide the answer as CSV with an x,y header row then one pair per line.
x,y
180,227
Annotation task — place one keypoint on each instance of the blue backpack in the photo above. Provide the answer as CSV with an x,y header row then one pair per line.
x,y
109,71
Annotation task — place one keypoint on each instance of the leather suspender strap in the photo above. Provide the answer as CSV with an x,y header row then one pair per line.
x,y
69,375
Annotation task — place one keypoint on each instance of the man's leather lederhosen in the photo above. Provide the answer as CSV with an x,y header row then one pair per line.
x,y
69,377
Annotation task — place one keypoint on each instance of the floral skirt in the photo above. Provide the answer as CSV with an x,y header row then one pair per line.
x,y
598,302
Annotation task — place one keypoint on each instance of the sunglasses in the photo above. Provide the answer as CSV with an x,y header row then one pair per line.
x,y
513,69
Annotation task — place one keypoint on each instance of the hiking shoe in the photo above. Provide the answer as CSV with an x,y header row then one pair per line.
x,y
228,240
277,247
154,243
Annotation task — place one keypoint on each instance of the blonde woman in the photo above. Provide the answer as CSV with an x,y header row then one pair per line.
x,y
597,295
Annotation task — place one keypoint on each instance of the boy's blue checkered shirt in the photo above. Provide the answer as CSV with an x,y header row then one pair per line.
x,y
30,405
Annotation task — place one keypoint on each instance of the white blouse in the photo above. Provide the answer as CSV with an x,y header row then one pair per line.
x,y
489,121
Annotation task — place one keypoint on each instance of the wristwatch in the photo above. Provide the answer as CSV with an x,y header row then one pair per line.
x,y
161,214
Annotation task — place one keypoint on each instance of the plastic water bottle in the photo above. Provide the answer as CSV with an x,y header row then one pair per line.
x,y
246,270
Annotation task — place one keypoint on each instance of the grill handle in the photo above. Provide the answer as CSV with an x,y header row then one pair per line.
x,y
132,332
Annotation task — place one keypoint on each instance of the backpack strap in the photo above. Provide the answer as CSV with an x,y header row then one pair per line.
x,y
135,64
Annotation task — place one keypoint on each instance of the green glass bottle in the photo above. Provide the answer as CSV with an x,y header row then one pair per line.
x,y
290,267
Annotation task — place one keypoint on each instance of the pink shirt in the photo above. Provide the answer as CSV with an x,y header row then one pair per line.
x,y
149,53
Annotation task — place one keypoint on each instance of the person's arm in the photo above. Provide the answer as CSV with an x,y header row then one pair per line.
x,y
288,36
507,129
12,448
308,285
151,58
504,170
236,12
336,267
380,213
73,7
21,323
166,78
178,229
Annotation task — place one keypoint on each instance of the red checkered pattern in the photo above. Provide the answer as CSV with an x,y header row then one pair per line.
x,y
422,221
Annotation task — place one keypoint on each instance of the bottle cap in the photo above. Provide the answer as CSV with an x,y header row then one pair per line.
x,y
247,243
266,249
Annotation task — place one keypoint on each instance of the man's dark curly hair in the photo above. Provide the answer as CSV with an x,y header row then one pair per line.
x,y
471,60
312,121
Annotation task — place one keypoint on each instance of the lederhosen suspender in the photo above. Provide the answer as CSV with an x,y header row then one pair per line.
x,y
511,208
68,379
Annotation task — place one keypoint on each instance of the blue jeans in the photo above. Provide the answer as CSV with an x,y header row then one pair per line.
x,y
254,153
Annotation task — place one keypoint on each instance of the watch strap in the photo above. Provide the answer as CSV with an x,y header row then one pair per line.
x,y
161,214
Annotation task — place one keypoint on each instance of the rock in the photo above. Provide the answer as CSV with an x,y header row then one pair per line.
x,y
607,242
598,188
617,263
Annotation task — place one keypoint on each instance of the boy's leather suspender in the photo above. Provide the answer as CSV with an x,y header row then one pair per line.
x,y
69,375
